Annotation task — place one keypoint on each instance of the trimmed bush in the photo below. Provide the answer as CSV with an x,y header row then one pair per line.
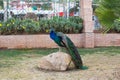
x,y
30,26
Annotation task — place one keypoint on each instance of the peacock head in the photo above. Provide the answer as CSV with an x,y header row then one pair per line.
x,y
52,30
52,33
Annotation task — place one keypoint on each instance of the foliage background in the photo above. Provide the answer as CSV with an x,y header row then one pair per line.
x,y
30,26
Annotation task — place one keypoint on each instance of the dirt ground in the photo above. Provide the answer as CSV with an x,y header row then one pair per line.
x,y
101,67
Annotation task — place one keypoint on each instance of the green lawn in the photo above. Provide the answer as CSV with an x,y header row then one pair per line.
x,y
82,51
9,57
21,65
16,55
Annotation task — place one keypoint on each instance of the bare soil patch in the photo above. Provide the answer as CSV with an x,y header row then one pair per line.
x,y
101,67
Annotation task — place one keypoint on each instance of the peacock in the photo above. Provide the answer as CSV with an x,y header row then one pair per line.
x,y
63,41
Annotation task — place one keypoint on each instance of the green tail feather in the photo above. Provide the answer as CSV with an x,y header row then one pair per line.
x,y
84,67
74,53
72,50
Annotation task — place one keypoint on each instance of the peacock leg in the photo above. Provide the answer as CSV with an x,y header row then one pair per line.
x,y
69,64
60,49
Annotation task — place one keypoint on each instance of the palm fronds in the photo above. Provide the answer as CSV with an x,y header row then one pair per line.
x,y
107,12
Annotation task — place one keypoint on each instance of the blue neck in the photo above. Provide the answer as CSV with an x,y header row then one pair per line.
x,y
52,35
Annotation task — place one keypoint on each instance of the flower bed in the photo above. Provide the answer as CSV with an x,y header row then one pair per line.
x,y
29,26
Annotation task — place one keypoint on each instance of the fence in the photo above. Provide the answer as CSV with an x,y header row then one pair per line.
x,y
41,8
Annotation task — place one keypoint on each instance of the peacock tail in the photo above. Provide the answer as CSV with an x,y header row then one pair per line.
x,y
74,53
72,50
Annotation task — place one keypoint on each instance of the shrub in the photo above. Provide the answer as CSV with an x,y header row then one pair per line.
x,y
71,25
1,25
76,20
44,26
9,26
30,26
117,25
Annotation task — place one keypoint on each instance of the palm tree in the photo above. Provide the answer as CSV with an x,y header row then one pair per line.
x,y
107,12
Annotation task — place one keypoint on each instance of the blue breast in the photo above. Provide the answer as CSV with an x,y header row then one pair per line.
x,y
53,35
57,39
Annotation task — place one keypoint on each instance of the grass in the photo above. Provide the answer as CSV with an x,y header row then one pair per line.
x,y
8,57
20,64
106,50
82,51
